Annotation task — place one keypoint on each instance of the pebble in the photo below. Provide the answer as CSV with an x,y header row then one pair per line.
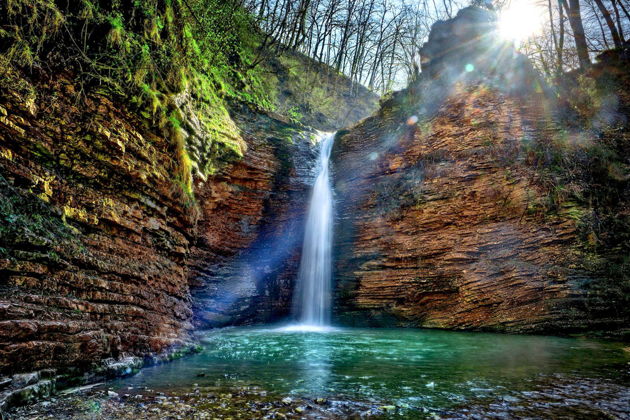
x,y
562,399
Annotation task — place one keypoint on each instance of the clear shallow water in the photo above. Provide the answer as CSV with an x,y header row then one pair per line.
x,y
415,368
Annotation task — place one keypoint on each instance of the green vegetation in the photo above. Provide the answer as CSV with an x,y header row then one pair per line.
x,y
584,169
30,229
173,61
177,63
313,93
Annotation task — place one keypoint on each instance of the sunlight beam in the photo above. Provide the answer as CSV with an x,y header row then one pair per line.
x,y
520,20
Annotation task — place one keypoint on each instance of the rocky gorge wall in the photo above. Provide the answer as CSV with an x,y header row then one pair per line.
x,y
443,216
94,234
104,257
245,258
437,226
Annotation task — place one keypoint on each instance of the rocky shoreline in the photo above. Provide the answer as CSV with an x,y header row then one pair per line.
x,y
99,402
551,397
28,388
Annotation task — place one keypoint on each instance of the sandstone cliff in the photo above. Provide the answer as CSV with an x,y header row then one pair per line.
x,y
94,234
102,254
448,214
436,219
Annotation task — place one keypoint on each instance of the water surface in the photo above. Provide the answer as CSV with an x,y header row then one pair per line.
x,y
403,367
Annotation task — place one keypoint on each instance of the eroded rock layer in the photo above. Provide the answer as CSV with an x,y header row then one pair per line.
x,y
438,221
245,259
443,198
94,237
100,247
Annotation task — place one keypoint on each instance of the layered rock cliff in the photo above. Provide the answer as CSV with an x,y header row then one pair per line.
x,y
444,215
245,258
94,234
102,254
437,222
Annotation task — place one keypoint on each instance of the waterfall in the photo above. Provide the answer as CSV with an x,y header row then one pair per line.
x,y
312,297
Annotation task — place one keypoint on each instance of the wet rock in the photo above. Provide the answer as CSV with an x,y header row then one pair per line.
x,y
25,379
5,382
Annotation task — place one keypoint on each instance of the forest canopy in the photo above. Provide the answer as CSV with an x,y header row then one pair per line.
x,y
375,42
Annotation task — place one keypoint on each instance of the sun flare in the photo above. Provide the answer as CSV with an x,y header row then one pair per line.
x,y
520,20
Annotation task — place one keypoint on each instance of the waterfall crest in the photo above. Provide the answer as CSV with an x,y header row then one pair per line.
x,y
311,304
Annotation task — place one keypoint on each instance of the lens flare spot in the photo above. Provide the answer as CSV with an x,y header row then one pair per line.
x,y
520,20
469,68
373,156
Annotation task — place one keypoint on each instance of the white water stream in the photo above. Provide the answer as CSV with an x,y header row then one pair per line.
x,y
311,304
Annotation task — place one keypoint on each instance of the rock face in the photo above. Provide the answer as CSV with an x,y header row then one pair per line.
x,y
102,254
466,48
438,225
245,259
439,203
94,237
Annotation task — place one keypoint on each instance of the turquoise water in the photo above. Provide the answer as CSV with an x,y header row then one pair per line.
x,y
405,367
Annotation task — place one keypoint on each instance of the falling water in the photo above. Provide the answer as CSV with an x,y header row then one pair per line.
x,y
312,298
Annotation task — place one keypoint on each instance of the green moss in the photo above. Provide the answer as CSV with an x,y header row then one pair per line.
x,y
311,92
32,228
149,52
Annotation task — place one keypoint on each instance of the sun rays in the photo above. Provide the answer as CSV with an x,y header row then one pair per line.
x,y
520,20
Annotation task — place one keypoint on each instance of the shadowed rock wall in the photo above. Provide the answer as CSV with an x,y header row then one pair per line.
x,y
245,259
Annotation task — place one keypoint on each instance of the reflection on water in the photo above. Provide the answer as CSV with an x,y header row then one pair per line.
x,y
314,363
405,367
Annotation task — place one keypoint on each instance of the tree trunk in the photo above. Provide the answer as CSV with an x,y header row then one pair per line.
x,y
575,20
625,11
561,32
611,24
618,19
601,26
